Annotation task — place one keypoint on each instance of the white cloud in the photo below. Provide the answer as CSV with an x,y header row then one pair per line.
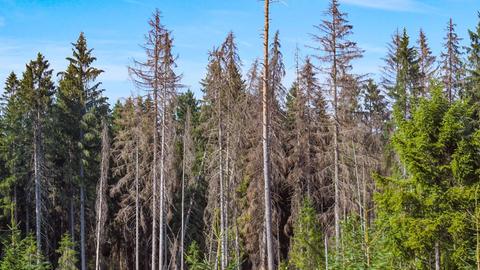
x,y
393,5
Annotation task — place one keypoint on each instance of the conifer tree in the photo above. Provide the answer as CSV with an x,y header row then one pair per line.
x,y
337,52
405,92
451,63
427,206
101,203
81,101
68,259
157,75
12,147
473,51
307,242
426,63
37,90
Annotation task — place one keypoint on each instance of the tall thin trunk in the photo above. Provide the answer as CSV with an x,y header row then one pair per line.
x,y
357,179
437,256
83,262
326,250
237,242
477,231
162,243
101,208
137,206
335,140
154,175
223,248
37,177
72,215
82,224
266,154
182,228
366,232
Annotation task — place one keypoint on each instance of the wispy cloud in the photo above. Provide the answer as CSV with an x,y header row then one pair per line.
x,y
393,5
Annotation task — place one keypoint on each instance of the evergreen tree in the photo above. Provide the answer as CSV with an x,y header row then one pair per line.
x,y
82,106
68,255
406,89
307,242
473,51
21,254
451,63
426,63
37,90
421,211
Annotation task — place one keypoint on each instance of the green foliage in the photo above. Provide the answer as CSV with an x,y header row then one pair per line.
x,y
434,201
21,254
194,258
307,245
68,255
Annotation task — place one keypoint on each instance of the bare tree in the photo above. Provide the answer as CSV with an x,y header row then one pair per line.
x,y
265,140
338,52
155,75
101,207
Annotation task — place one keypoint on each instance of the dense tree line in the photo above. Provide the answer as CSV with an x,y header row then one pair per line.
x,y
336,171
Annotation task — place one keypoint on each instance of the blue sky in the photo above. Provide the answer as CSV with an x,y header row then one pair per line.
x,y
115,28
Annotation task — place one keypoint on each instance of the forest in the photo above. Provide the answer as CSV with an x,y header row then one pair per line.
x,y
336,171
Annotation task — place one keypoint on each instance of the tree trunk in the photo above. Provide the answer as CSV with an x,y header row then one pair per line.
x,y
161,242
137,206
437,256
101,205
182,228
154,176
83,262
37,177
266,154
82,223
326,251
335,142
223,261
72,215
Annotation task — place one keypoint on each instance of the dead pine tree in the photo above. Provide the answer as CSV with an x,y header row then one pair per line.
x,y
101,204
265,142
337,52
147,75
169,84
187,164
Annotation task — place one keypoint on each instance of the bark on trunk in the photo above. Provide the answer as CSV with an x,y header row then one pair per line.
x,y
161,244
137,205
37,177
266,154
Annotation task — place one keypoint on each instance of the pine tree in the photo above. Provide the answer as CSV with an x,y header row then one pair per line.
x,y
307,242
426,63
37,90
68,259
337,52
405,91
101,201
12,147
451,63
473,51
429,205
157,75
82,104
